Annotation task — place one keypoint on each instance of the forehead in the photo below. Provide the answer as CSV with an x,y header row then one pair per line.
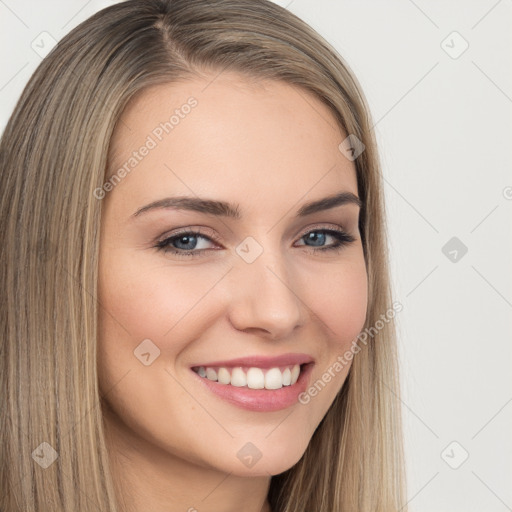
x,y
228,135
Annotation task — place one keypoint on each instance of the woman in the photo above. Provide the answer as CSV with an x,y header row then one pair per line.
x,y
197,310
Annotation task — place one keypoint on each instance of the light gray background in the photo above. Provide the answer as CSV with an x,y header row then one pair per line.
x,y
443,122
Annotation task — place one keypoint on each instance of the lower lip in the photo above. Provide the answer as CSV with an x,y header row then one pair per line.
x,y
260,400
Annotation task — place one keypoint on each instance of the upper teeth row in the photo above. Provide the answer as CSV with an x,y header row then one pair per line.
x,y
254,378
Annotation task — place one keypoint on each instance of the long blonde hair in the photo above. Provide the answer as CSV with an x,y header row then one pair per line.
x,y
53,155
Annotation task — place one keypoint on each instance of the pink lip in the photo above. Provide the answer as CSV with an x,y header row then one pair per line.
x,y
261,361
260,400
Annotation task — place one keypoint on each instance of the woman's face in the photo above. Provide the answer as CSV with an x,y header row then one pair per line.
x,y
253,285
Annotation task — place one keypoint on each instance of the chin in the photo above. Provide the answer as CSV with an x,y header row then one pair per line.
x,y
249,461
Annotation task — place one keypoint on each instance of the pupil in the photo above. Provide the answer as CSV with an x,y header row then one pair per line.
x,y
314,236
186,238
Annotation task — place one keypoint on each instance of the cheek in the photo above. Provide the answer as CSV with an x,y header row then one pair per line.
x,y
340,300
172,307
150,300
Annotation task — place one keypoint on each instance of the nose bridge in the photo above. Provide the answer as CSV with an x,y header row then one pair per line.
x,y
264,296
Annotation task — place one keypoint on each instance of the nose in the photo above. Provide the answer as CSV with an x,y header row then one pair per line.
x,y
264,300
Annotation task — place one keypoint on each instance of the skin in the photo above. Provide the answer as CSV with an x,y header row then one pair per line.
x,y
271,148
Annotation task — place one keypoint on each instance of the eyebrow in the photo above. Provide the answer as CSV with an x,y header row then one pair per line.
x,y
231,210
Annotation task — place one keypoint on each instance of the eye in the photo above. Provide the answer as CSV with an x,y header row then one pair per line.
x,y
184,243
319,235
187,243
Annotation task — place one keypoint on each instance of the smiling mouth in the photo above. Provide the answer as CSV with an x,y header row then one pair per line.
x,y
252,377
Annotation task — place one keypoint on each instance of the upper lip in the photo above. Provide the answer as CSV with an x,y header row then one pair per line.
x,y
262,361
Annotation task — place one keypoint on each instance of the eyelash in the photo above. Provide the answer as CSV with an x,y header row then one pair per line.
x,y
343,239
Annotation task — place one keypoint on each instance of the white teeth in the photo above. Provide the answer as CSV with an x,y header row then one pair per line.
x,y
295,373
223,376
211,374
254,378
238,378
274,379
